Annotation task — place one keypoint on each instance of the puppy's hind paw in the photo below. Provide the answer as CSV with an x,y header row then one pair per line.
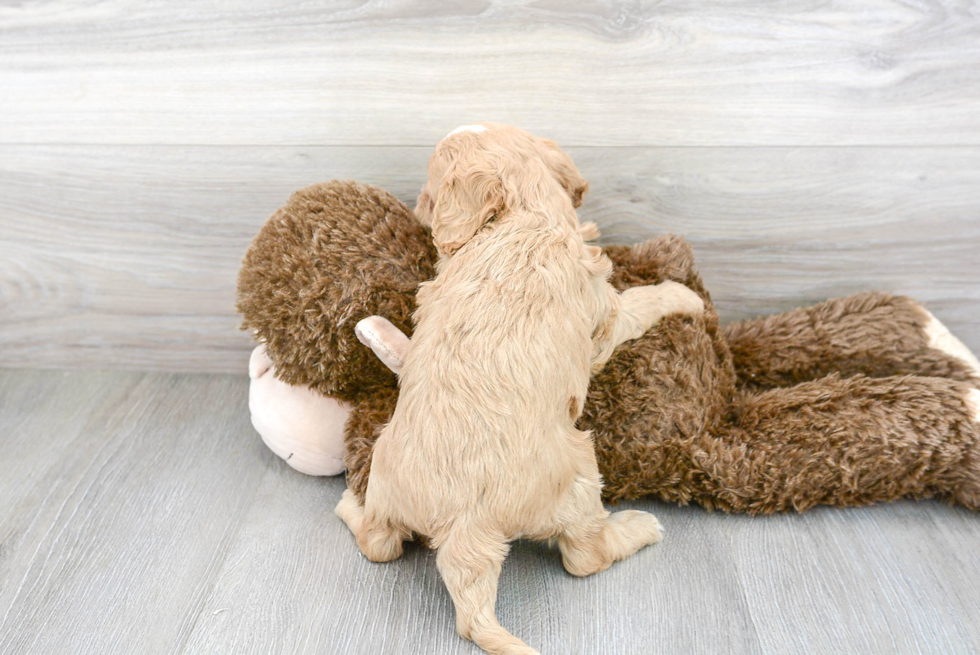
x,y
350,511
635,529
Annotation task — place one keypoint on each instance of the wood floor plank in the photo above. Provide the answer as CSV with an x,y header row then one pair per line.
x,y
40,412
870,580
295,582
868,72
117,543
126,257
157,522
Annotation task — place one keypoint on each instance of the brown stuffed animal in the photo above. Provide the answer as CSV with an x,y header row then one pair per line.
x,y
849,402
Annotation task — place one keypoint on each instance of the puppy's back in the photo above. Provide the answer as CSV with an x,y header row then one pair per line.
x,y
496,377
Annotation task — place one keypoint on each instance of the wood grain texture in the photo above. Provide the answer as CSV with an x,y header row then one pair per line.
x,y
808,150
39,413
315,593
133,505
867,72
154,521
126,257
876,577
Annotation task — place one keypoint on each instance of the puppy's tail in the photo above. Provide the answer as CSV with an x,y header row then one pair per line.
x,y
469,561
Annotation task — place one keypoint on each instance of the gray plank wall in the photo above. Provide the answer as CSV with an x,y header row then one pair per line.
x,y
808,149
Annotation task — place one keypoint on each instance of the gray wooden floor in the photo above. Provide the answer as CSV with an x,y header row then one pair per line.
x,y
140,513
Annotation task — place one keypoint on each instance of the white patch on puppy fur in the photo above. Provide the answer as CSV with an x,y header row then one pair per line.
x,y
467,128
942,339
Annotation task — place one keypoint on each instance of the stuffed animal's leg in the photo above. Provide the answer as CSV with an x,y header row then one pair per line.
x,y
874,334
469,561
639,309
842,442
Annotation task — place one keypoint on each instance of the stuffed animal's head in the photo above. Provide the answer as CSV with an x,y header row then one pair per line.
x,y
479,172
334,254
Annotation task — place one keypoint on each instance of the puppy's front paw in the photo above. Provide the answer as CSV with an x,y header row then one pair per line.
x,y
679,299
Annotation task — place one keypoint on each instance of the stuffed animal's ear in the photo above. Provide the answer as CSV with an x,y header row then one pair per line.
x,y
564,170
467,200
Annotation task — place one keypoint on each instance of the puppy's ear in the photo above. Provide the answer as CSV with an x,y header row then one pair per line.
x,y
564,170
467,200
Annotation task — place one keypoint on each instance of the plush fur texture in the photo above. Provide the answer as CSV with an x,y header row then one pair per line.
x,y
836,404
844,403
333,255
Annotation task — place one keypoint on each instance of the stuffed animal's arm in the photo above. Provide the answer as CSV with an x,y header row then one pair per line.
x,y
388,342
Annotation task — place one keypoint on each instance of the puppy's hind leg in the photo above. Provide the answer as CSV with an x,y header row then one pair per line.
x,y
469,562
377,539
592,538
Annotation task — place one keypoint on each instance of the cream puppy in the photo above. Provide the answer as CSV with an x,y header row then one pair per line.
x,y
482,448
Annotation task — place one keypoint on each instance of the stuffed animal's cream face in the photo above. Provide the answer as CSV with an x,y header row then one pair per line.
x,y
306,428
303,427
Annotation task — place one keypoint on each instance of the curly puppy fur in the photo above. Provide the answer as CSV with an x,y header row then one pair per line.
x,y
785,412
482,448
